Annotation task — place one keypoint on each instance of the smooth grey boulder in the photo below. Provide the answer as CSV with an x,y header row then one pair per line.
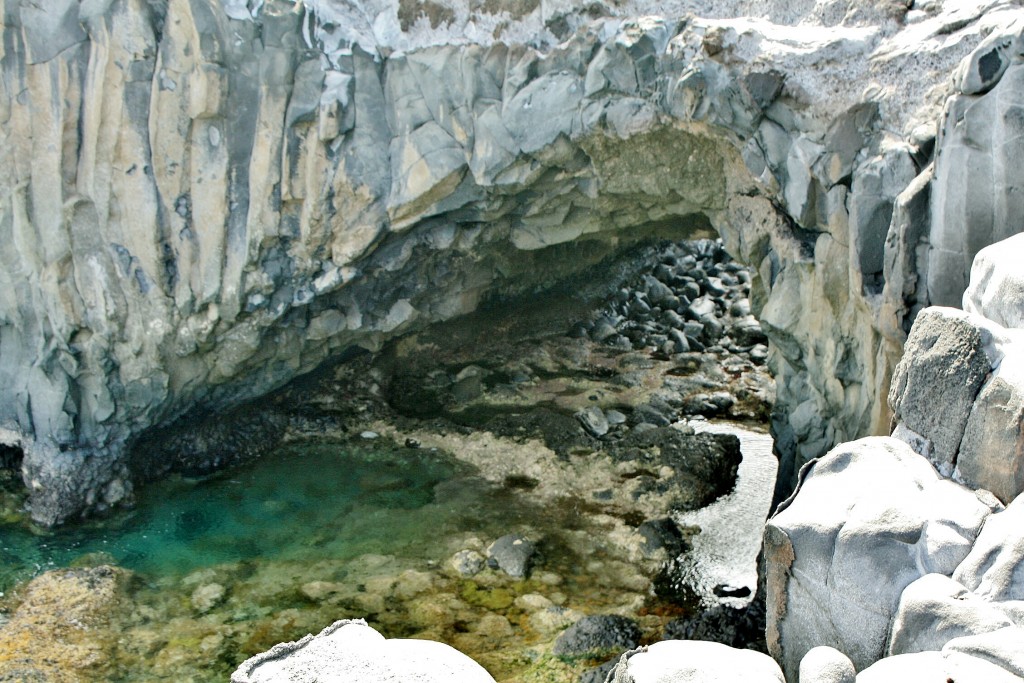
x,y
1003,648
936,609
944,364
349,650
695,661
994,569
825,664
996,290
935,667
869,508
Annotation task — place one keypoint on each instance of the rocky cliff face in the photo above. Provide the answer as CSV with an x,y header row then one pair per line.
x,y
202,199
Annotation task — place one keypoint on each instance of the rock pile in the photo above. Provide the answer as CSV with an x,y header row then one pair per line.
x,y
692,297
880,562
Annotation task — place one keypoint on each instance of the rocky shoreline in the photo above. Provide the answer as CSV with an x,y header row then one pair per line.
x,y
195,222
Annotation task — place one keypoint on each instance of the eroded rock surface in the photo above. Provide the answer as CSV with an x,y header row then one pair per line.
x,y
868,509
204,200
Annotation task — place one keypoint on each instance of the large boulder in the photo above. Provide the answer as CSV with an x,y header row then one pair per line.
x,y
996,290
349,650
868,509
928,667
994,569
694,661
958,392
945,361
936,609
991,454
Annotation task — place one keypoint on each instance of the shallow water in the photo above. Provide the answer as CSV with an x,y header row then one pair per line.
x,y
307,501
320,531
725,552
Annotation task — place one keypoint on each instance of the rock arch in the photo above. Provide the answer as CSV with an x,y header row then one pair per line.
x,y
203,204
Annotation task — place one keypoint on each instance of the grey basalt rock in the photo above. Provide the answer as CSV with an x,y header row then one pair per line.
x,y
992,570
944,365
979,132
597,635
869,508
935,609
958,393
512,554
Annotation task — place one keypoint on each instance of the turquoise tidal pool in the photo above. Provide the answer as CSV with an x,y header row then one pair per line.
x,y
225,567
307,501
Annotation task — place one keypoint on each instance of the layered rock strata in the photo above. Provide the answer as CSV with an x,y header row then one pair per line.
x,y
206,198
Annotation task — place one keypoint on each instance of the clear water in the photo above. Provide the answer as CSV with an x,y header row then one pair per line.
x,y
725,552
308,501
363,522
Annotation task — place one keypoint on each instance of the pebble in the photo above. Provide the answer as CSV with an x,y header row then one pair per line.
x,y
614,417
468,562
369,435
593,420
724,590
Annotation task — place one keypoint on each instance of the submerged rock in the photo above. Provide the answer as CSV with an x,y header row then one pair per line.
x,y
468,562
57,633
597,635
512,554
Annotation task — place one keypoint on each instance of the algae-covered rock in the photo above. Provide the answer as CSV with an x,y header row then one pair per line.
x,y
59,630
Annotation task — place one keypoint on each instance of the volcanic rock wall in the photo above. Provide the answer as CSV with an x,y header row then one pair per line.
x,y
202,199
